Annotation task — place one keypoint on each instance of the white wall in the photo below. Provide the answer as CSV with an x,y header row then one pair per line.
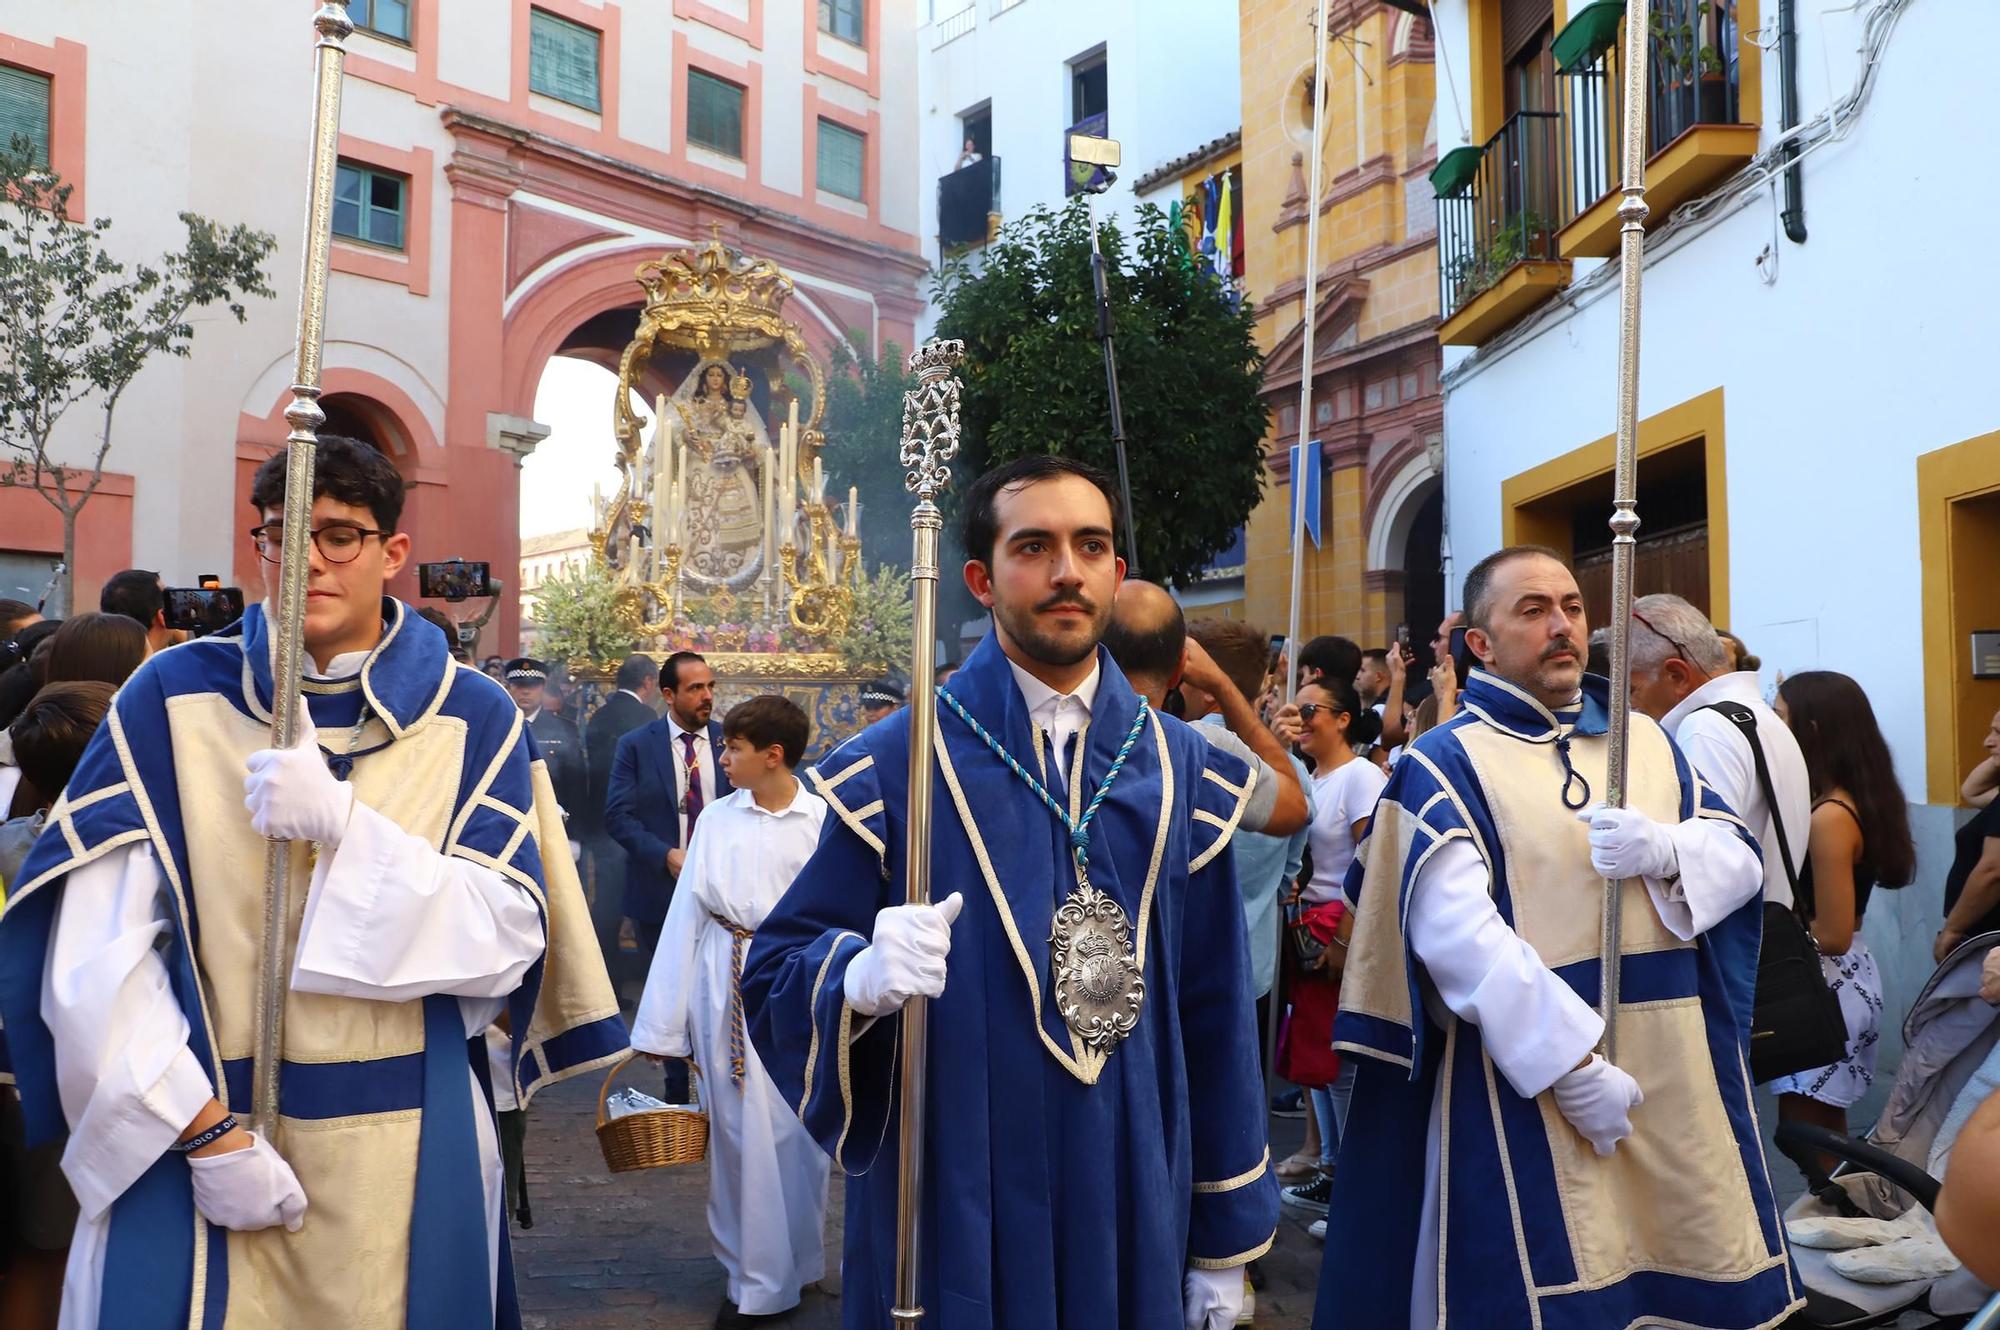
x,y
1173,85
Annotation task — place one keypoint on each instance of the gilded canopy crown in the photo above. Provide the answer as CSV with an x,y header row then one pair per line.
x,y
713,300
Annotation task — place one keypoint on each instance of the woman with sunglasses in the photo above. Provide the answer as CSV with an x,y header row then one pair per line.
x,y
1345,788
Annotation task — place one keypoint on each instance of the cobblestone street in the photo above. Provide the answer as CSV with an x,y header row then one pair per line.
x,y
631,1252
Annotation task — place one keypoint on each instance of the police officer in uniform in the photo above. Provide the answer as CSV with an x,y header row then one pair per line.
x,y
558,738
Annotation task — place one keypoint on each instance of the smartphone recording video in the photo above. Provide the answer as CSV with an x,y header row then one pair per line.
x,y
455,579
203,610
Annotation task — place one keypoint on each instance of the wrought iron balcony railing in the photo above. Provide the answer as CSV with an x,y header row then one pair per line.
x,y
968,200
1503,210
1693,77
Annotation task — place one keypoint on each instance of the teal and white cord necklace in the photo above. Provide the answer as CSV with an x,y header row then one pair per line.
x,y
1079,830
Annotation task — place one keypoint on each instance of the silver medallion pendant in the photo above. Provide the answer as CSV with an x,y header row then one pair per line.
x,y
1099,989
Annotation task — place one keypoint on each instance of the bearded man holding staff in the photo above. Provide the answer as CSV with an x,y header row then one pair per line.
x,y
1097,1154
1558,1190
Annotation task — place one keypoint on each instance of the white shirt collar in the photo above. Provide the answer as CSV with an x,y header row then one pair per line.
x,y
674,723
1059,714
344,666
1736,686
528,718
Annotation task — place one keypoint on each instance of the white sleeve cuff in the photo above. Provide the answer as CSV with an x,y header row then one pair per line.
x,y
123,1135
1533,1024
390,919
1719,873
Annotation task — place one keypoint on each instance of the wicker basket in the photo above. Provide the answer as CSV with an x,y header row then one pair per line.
x,y
654,1137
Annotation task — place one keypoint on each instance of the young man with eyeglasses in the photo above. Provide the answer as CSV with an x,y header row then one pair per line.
x,y
434,891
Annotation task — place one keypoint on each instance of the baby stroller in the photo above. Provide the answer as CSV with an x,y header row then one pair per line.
x,y
1862,1235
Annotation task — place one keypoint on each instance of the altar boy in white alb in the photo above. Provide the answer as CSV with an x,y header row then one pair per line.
x,y
767,1177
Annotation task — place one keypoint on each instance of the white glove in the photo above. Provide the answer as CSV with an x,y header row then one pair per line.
x,y
1625,843
1597,1099
1212,1299
248,1189
904,959
292,796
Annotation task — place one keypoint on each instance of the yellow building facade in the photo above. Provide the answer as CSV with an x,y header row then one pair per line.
x,y
1375,407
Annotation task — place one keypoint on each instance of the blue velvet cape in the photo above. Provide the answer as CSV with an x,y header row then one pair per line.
x,y
1047,1201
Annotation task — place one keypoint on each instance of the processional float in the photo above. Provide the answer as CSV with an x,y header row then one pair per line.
x,y
721,535
331,26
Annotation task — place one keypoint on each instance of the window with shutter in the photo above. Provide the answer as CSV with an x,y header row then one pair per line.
x,y
715,114
840,156
384,18
24,110
369,205
562,60
842,18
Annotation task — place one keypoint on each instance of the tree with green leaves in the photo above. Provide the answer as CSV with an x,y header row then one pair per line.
x,y
1189,374
77,326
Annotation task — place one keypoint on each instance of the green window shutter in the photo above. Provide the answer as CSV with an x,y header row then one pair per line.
x,y
24,110
715,114
370,205
840,157
842,18
562,60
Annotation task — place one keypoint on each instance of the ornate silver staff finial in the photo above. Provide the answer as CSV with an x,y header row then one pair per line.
x,y
930,420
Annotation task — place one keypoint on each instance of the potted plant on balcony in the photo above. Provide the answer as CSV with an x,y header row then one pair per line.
x,y
1687,61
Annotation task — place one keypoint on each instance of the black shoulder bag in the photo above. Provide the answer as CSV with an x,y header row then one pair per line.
x,y
1797,1023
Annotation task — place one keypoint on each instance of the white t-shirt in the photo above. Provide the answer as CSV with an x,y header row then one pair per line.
x,y
1341,797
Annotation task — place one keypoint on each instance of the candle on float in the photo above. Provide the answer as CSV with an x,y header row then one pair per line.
x,y
832,553
787,483
663,491
632,568
819,481
792,419
596,503
769,543
853,511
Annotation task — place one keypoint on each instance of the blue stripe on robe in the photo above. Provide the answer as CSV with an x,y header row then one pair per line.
x,y
145,1261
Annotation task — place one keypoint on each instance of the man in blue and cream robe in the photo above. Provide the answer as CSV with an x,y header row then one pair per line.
x,y
128,975
1066,1183
1518,1178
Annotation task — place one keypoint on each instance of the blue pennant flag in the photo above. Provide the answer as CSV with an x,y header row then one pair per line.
x,y
1306,487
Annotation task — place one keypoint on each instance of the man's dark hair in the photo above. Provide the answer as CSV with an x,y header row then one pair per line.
x,y
1148,651
14,613
345,470
1238,648
767,721
135,593
670,673
634,671
1334,658
52,731
1479,582
1380,655
979,524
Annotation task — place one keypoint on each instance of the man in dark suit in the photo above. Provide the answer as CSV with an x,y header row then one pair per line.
x,y
662,776
629,707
